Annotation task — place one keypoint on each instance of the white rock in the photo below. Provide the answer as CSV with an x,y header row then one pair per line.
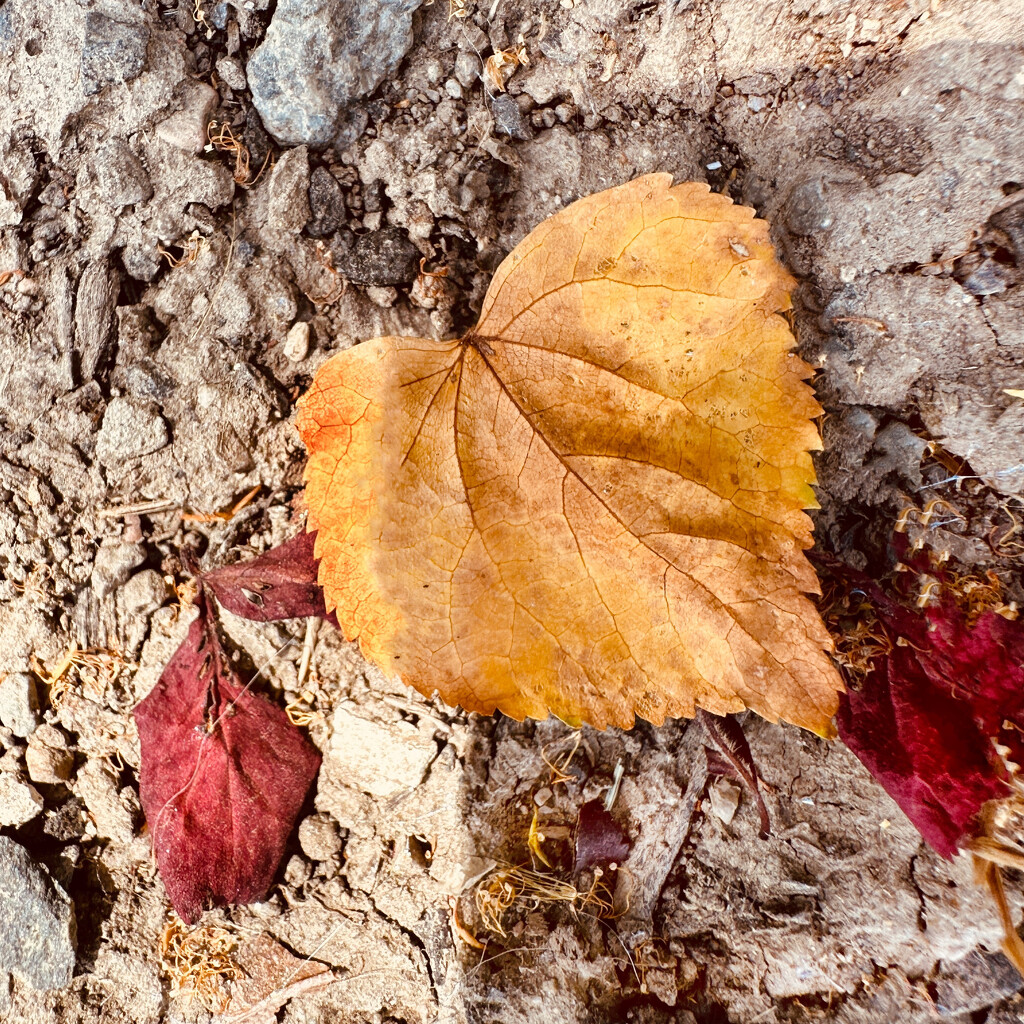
x,y
381,760
19,802
296,344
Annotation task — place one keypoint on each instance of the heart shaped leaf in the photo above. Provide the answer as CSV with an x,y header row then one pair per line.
x,y
590,504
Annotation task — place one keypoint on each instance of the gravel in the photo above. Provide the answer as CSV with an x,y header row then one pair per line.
x,y
19,705
130,429
384,257
326,204
123,180
19,802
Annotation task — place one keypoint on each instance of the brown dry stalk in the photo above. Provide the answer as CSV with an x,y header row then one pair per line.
x,y
191,250
227,514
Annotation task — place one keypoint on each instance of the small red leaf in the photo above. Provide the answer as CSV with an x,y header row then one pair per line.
x,y
279,584
599,839
223,776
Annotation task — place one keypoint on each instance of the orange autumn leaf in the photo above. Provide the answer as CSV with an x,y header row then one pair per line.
x,y
591,504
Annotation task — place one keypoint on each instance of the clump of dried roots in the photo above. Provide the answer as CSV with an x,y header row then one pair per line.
x,y
506,886
200,962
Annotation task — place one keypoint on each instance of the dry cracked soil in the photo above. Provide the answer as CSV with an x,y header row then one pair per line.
x,y
200,201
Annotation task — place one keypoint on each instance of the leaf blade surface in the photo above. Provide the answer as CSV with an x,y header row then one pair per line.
x,y
592,504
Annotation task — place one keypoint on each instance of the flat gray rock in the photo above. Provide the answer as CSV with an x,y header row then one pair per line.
x,y
321,56
37,927
112,51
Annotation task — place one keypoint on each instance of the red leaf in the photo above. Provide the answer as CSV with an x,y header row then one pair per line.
x,y
224,774
599,839
279,584
925,718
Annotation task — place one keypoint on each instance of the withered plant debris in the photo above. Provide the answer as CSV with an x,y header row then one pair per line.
x,y
506,887
200,962
730,756
223,775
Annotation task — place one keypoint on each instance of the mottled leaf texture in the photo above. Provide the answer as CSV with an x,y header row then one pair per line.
x,y
927,716
591,504
279,584
223,776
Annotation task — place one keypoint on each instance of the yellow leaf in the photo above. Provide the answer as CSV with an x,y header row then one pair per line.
x,y
534,838
590,504
1014,392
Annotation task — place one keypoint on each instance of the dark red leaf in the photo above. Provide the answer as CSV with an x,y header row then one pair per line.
x,y
731,756
920,743
938,697
279,584
223,776
599,839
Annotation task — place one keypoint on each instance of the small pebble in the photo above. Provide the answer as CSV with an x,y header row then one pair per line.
x,y
296,344
385,297
19,706
467,68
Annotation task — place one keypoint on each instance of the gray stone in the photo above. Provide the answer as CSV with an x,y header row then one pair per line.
x,y
288,203
19,705
37,927
112,51
113,565
232,72
1010,221
130,430
380,258
143,593
95,301
19,802
186,128
508,118
988,278
122,179
321,56
807,212
326,204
